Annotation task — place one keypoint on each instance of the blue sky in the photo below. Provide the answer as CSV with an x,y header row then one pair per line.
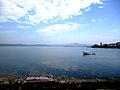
x,y
59,21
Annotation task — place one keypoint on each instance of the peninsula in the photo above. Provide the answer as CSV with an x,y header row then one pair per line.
x,y
110,45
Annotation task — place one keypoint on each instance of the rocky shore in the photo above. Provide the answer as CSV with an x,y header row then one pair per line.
x,y
60,83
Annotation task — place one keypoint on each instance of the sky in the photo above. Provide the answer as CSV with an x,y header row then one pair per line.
x,y
59,21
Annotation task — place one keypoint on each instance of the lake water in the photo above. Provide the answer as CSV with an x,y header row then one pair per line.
x,y
59,61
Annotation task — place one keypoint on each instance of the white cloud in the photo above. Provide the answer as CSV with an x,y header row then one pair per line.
x,y
36,11
101,7
106,18
58,28
84,18
93,20
23,27
10,11
115,30
100,20
15,27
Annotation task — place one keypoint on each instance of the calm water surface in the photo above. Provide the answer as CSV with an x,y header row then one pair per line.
x,y
59,61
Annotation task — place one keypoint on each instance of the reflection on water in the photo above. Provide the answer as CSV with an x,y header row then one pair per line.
x,y
59,61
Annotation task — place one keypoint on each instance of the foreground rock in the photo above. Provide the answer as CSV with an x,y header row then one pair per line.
x,y
60,83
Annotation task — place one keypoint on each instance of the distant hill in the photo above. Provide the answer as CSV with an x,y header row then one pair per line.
x,y
23,45
58,45
76,45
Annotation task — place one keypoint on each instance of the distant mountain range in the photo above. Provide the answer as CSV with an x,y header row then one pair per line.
x,y
64,45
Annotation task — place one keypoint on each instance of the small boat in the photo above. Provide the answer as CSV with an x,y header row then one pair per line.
x,y
88,53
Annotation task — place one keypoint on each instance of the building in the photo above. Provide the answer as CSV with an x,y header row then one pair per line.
x,y
39,79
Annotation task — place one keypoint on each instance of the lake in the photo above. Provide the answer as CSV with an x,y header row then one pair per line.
x,y
59,61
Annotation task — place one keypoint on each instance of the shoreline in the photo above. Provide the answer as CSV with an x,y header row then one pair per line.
x,y
60,83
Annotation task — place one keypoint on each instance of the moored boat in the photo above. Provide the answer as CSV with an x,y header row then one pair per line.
x,y
88,53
